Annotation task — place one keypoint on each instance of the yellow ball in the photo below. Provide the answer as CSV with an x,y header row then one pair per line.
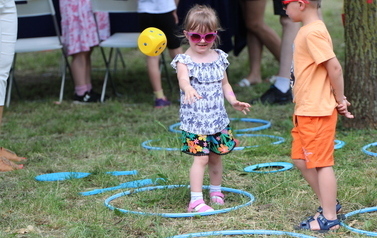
x,y
152,41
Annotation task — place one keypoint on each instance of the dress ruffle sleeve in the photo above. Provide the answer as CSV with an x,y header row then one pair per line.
x,y
204,72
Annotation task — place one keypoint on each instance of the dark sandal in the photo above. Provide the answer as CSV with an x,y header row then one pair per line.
x,y
324,224
341,217
338,207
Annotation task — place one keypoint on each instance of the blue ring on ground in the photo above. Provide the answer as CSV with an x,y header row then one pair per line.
x,y
364,210
338,144
243,232
278,141
148,147
366,151
178,215
266,125
59,176
253,168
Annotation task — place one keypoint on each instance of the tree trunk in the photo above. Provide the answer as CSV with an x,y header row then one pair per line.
x,y
360,73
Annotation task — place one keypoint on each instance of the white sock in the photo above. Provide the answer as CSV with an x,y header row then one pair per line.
x,y
213,188
283,84
196,196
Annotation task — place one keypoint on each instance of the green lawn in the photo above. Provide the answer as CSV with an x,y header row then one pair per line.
x,y
107,137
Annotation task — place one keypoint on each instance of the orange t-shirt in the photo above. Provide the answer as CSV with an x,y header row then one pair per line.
x,y
312,92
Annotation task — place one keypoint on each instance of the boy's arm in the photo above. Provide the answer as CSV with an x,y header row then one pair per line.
x,y
335,72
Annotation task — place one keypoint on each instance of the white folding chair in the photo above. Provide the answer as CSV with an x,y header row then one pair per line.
x,y
35,8
118,39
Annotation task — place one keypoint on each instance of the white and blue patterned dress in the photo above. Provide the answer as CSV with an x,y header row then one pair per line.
x,y
205,116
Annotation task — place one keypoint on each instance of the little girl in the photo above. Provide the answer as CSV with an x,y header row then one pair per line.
x,y
206,133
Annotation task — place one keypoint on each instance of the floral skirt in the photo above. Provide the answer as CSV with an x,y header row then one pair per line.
x,y
220,143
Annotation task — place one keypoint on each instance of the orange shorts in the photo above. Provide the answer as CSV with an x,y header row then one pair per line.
x,y
313,140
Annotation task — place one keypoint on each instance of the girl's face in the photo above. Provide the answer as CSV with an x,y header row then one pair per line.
x,y
201,41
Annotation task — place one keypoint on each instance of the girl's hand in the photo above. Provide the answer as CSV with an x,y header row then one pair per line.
x,y
241,106
191,95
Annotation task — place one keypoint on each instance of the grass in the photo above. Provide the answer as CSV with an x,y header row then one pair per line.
x,y
107,137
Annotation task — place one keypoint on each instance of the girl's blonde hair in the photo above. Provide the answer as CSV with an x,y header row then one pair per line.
x,y
202,18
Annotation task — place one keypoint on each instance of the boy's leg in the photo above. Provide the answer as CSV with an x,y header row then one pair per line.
x,y
310,175
328,190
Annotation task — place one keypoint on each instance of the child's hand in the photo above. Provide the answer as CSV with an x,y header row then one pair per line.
x,y
241,106
191,95
342,108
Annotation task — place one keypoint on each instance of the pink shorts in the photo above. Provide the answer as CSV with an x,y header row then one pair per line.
x,y
313,140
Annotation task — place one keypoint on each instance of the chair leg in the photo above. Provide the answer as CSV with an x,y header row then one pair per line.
x,y
118,54
10,83
63,68
166,72
107,73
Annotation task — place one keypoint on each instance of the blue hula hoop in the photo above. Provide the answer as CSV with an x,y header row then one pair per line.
x,y
178,215
148,147
243,232
59,176
278,141
339,144
364,210
366,151
254,168
266,124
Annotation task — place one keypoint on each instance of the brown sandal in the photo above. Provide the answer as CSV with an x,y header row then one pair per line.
x,y
10,155
6,165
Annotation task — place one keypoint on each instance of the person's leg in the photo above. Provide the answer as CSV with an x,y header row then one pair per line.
x,y
153,66
289,33
1,115
254,20
310,175
215,169
328,190
81,71
254,50
8,35
197,170
81,68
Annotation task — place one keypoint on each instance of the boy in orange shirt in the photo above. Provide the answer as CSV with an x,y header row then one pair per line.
x,y
318,94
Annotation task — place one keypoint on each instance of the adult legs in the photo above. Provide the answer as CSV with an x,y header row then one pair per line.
x,y
290,30
280,92
8,34
154,73
258,34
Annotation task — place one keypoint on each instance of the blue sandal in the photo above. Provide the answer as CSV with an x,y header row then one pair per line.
x,y
338,207
341,217
324,224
